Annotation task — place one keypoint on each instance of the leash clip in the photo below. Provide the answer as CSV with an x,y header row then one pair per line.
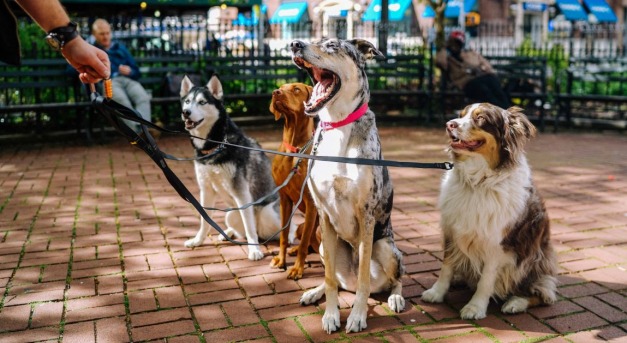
x,y
448,165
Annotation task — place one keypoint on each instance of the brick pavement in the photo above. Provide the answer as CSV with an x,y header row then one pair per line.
x,y
91,249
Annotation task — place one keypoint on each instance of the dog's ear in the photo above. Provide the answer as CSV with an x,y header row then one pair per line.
x,y
186,85
367,49
215,87
519,124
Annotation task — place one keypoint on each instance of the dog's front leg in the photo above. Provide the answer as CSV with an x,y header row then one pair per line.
x,y
207,199
330,240
357,319
478,305
286,209
436,293
250,227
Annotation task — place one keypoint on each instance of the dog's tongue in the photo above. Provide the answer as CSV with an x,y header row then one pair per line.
x,y
465,144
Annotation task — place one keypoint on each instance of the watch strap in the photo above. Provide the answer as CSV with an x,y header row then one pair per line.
x,y
64,34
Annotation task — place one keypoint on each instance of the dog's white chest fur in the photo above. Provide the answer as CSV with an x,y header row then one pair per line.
x,y
218,177
478,205
337,188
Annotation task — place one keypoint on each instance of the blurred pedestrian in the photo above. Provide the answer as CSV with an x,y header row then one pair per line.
x,y
470,72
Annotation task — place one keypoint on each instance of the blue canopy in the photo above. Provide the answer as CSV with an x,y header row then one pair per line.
x,y
452,8
242,20
572,9
601,10
289,12
396,10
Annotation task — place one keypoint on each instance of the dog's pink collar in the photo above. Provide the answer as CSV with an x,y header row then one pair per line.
x,y
327,125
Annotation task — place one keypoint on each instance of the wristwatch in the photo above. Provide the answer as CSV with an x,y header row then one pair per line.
x,y
60,36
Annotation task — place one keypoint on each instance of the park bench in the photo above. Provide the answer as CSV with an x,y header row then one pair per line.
x,y
34,93
524,79
594,94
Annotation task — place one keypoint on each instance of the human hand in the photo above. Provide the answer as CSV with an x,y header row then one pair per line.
x,y
91,62
125,70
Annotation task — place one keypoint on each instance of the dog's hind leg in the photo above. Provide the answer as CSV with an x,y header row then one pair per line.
x,y
207,199
386,271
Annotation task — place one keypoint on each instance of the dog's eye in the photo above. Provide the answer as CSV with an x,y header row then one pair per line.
x,y
202,102
187,101
296,90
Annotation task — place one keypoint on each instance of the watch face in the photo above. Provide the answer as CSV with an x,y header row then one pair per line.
x,y
53,42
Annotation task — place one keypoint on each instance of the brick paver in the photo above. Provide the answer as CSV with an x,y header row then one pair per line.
x,y
91,249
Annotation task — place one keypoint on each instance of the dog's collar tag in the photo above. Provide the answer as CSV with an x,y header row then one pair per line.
x,y
327,125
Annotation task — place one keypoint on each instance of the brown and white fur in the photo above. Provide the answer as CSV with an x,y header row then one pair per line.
x,y
237,175
494,222
354,201
288,102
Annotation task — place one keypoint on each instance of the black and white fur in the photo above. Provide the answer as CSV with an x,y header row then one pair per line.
x,y
494,222
238,175
354,201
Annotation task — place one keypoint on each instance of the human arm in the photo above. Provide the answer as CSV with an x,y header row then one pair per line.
x,y
91,62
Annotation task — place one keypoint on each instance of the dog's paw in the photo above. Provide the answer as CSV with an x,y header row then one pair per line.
x,y
396,302
515,305
277,262
254,254
295,273
432,295
194,242
331,320
311,296
229,232
356,321
473,312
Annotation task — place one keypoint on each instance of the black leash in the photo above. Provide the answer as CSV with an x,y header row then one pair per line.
x,y
354,160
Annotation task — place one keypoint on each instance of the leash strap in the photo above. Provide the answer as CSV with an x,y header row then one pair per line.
x,y
364,161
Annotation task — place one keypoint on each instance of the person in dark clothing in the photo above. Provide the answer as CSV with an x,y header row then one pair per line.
x,y
470,72
91,63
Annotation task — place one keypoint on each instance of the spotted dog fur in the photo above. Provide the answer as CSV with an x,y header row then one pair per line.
x,y
238,175
494,222
354,201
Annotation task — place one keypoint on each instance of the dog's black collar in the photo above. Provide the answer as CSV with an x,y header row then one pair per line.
x,y
205,154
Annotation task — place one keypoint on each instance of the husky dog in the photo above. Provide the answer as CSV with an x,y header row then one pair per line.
x,y
494,223
238,175
354,201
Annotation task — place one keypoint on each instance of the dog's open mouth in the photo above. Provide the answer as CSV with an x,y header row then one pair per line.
x,y
326,85
458,144
190,124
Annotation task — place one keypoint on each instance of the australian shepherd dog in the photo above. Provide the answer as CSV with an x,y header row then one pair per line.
x,y
495,225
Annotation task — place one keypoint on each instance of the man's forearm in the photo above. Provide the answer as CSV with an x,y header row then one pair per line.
x,y
49,14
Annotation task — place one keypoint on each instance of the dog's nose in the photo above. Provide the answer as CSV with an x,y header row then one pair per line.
x,y
276,92
186,113
451,125
297,45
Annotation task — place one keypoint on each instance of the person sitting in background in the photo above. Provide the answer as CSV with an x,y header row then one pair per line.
x,y
470,72
127,91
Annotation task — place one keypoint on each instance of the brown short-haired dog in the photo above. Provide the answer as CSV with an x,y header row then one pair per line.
x,y
288,103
